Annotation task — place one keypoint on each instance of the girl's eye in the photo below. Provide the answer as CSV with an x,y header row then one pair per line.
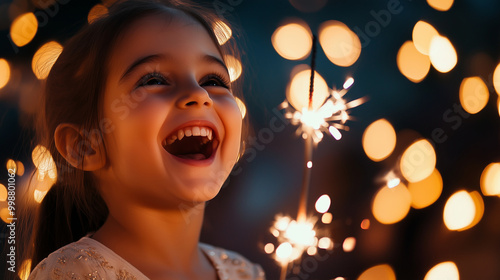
x,y
152,79
214,80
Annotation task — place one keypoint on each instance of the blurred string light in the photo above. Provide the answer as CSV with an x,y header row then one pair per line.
x,y
341,45
19,168
379,140
496,79
378,272
23,29
474,94
234,67
418,161
427,48
241,106
463,210
293,40
11,165
391,205
426,192
4,72
440,5
349,244
490,179
445,270
44,59
3,193
365,224
222,31
97,12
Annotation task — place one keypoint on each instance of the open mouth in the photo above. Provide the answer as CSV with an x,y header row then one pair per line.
x,y
193,142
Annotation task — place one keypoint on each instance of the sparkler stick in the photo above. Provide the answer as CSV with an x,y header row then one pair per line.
x,y
308,151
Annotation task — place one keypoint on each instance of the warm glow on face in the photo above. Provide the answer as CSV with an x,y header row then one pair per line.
x,y
411,63
391,205
234,67
292,41
326,218
298,91
490,179
378,272
425,192
422,35
349,244
474,94
42,159
440,5
463,210
444,270
23,29
4,72
442,54
96,12
496,79
3,193
341,45
222,32
379,140
323,203
44,58
418,161
242,107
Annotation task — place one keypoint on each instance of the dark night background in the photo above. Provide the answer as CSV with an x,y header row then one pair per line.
x,y
240,217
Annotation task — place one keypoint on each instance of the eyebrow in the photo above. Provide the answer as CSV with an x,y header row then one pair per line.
x,y
155,57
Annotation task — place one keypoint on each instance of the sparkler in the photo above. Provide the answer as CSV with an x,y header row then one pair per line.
x,y
300,235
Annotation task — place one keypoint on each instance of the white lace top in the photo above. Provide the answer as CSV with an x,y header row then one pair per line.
x,y
88,259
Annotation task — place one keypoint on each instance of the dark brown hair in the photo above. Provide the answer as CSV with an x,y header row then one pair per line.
x,y
73,94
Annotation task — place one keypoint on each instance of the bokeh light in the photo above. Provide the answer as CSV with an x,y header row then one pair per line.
x,y
418,161
234,67
20,168
463,210
269,248
341,45
411,63
444,270
222,31
442,54
43,161
298,90
440,5
24,269
284,252
425,192
23,29
391,205
327,218
490,179
365,224
349,244
44,58
3,193
96,12
422,35
379,140
323,203
241,106
378,272
474,94
38,195
496,79
4,72
5,215
293,41
11,166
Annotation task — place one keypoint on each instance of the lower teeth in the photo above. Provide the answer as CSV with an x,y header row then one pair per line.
x,y
194,156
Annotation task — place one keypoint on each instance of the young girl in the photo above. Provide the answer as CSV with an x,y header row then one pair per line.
x,y
141,120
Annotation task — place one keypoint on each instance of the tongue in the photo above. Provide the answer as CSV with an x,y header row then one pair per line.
x,y
193,156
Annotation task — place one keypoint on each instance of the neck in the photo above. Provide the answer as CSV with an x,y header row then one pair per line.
x,y
166,239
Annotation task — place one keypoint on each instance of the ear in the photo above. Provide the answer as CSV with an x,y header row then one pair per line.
x,y
80,149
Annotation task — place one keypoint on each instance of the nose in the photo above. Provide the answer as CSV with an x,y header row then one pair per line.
x,y
195,96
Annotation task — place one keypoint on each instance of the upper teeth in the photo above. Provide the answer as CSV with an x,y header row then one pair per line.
x,y
190,131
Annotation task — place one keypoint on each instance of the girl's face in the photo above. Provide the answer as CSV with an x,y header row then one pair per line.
x,y
174,128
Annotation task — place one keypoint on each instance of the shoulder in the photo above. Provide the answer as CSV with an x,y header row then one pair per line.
x,y
231,265
75,261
